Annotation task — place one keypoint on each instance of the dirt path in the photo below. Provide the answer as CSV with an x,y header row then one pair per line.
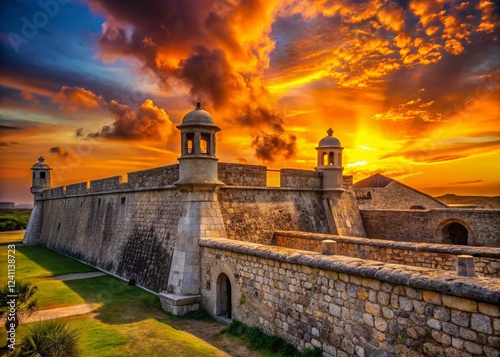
x,y
43,315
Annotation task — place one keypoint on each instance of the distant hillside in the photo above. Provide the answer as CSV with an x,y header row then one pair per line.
x,y
478,201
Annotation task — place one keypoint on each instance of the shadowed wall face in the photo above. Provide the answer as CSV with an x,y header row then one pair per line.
x,y
130,234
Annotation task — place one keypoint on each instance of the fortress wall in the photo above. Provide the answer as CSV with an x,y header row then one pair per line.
x,y
349,306
53,192
345,214
161,176
347,182
242,175
131,234
426,226
106,184
76,189
437,256
395,196
253,214
301,178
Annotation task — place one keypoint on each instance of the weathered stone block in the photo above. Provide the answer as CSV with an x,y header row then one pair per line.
x,y
458,303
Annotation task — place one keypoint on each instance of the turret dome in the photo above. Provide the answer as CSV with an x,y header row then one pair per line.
x,y
41,165
198,117
329,141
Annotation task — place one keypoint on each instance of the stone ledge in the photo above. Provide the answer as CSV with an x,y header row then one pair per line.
x,y
179,300
445,282
486,252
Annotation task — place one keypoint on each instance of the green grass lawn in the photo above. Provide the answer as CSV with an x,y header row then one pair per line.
x,y
128,320
12,236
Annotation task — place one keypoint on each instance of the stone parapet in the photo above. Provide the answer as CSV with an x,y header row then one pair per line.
x,y
439,256
301,178
349,306
242,175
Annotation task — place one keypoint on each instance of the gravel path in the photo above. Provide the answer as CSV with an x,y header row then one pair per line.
x,y
43,315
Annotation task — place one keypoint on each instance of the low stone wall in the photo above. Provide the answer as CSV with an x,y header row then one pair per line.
x,y
242,175
438,256
483,226
349,306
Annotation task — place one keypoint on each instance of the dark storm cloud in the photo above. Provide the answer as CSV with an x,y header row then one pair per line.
x,y
60,151
200,43
269,146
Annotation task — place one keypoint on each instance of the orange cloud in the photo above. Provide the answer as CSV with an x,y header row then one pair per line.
x,y
75,97
145,123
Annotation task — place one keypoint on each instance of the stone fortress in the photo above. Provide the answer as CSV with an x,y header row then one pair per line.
x,y
374,268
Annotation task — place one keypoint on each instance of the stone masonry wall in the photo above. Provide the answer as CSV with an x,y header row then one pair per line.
x,y
483,226
437,256
242,175
394,196
345,214
301,178
354,307
130,234
253,214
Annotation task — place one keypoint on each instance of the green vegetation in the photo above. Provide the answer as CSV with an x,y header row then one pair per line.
x,y
37,261
14,219
49,338
127,321
258,340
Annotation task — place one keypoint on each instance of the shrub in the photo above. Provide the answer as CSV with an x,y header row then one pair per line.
x,y
49,338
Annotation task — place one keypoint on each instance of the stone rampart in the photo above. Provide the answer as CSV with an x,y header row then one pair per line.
x,y
253,214
130,234
157,177
438,256
242,175
301,178
76,189
430,226
105,185
349,306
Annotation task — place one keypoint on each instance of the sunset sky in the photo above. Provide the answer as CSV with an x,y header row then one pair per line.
x,y
411,87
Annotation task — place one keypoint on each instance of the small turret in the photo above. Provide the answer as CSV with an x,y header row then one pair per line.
x,y
198,163
330,162
41,176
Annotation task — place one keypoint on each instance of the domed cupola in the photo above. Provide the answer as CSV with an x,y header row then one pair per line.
x,y
198,163
41,176
330,161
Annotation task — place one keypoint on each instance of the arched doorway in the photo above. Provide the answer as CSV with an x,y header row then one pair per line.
x,y
224,306
458,233
454,231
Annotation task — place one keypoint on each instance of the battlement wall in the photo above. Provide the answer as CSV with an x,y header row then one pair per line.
x,y
350,306
157,177
105,185
430,226
301,178
242,175
437,256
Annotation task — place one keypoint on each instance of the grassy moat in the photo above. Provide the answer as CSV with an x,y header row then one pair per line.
x,y
112,318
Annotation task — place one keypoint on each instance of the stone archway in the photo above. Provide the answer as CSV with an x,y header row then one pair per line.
x,y
223,305
454,231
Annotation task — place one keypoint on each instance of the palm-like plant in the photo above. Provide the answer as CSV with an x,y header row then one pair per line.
x,y
49,338
23,304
